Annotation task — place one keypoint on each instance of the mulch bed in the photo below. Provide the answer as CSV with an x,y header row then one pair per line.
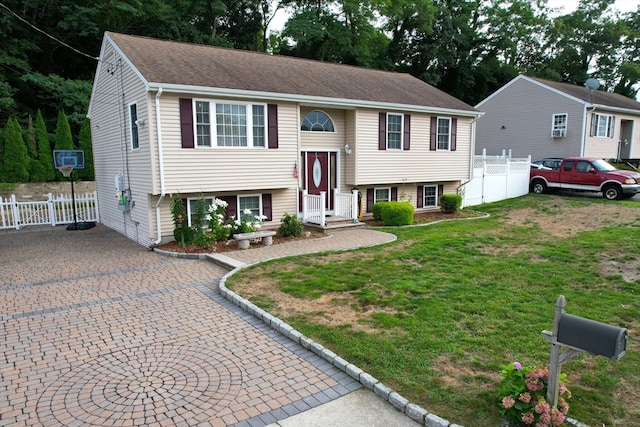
x,y
308,233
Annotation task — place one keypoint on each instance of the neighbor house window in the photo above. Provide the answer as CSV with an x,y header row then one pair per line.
x,y
430,196
444,133
559,128
381,195
192,209
252,203
232,125
394,131
602,125
133,125
317,121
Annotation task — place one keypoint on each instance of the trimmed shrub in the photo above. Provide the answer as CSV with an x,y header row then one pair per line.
x,y
397,213
450,203
290,226
377,210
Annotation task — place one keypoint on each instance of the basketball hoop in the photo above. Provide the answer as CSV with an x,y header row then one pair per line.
x,y
65,170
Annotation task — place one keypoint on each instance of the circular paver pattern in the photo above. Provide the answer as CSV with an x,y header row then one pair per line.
x,y
144,386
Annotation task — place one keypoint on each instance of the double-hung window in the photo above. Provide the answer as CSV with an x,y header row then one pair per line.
x,y
394,131
443,134
133,126
430,195
230,124
602,125
249,205
559,127
381,195
192,210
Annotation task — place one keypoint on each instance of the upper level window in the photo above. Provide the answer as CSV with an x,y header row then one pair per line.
x,y
232,125
444,133
559,128
602,125
317,121
381,195
394,131
133,125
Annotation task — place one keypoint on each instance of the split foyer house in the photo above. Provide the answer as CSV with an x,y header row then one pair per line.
x,y
272,134
542,118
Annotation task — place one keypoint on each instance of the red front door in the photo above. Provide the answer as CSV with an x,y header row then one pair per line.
x,y
317,174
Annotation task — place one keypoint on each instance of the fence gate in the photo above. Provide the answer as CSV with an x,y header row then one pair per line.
x,y
55,210
496,178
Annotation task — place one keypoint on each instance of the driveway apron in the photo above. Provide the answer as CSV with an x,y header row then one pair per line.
x,y
97,330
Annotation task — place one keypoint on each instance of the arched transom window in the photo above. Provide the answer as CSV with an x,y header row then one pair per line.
x,y
317,121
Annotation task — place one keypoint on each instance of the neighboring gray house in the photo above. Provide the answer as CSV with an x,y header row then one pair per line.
x,y
271,134
542,118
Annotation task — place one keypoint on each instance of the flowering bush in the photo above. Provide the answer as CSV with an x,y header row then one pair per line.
x,y
522,397
218,228
247,223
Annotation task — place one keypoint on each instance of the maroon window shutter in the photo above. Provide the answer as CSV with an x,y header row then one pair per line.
x,y
382,131
454,133
440,190
185,209
407,132
232,205
369,199
420,197
394,194
186,123
433,133
272,112
266,207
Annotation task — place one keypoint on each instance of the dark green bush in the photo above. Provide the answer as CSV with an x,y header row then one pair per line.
x,y
450,203
290,226
377,210
397,213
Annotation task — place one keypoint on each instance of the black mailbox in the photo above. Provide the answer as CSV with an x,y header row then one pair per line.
x,y
591,336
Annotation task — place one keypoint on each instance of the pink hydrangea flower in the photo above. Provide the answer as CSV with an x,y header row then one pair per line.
x,y
543,407
528,418
524,397
557,417
517,366
508,401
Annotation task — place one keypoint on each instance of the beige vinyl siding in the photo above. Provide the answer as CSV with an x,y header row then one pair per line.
x,y
607,148
315,141
409,192
112,148
349,161
526,111
193,170
283,201
417,165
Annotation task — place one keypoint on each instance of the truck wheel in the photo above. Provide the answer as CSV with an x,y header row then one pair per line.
x,y
538,186
612,192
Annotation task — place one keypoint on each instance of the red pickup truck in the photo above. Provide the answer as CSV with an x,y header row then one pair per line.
x,y
586,174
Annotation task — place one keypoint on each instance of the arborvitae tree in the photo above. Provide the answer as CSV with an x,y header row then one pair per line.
x,y
15,158
45,155
35,167
84,142
64,140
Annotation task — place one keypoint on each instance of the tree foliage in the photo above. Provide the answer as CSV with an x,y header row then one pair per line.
x,y
15,158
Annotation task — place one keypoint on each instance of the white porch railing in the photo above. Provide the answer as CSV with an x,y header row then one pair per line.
x,y
314,207
55,210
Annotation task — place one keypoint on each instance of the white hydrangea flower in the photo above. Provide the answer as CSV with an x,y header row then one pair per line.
x,y
247,211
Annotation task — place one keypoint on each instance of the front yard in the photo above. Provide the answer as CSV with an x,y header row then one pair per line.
x,y
437,313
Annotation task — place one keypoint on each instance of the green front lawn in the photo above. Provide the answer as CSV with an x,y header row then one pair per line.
x,y
437,313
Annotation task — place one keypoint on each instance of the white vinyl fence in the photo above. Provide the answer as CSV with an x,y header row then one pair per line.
x,y
496,178
55,210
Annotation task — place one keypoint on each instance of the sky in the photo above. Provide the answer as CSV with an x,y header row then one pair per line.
x,y
571,5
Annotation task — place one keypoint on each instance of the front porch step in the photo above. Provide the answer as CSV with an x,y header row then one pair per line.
x,y
333,223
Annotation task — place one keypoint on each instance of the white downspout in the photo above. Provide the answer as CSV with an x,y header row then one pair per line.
x,y
160,166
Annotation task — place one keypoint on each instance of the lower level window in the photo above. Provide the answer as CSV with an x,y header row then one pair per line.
x,y
381,195
249,205
430,196
192,210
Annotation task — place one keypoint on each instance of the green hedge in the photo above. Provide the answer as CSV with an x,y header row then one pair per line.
x,y
450,203
397,213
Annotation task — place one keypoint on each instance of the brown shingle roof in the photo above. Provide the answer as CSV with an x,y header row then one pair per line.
x,y
170,62
599,97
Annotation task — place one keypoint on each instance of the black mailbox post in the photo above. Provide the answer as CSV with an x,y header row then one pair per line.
x,y
591,336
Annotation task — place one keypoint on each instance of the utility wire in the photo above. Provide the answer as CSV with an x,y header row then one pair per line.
x,y
46,34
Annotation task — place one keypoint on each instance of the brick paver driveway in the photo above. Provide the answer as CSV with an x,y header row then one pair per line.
x,y
97,330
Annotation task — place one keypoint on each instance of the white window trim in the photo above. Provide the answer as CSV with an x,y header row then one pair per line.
x,y
438,134
559,131
609,125
375,192
213,130
401,131
239,212
195,199
133,124
424,196
315,131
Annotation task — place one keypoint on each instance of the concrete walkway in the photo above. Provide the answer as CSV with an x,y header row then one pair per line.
x,y
97,330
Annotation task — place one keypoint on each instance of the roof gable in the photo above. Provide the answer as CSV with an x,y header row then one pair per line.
x,y
184,64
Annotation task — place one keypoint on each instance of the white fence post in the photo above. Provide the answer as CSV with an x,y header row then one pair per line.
x,y
354,205
52,209
323,208
15,211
